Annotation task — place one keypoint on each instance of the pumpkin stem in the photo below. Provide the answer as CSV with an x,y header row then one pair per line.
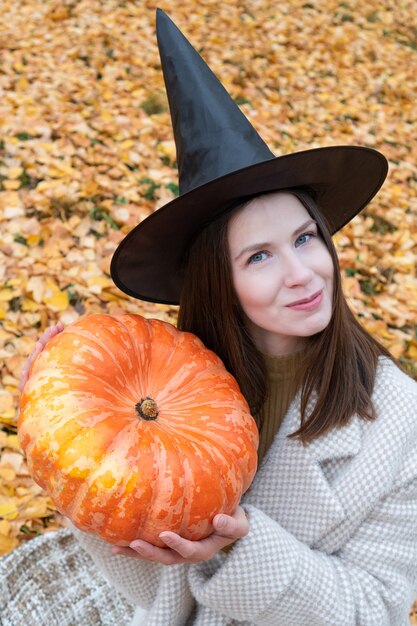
x,y
147,409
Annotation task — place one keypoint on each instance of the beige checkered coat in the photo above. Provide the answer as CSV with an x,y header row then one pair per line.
x,y
332,541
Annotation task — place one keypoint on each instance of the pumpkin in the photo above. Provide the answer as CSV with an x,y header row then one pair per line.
x,y
133,427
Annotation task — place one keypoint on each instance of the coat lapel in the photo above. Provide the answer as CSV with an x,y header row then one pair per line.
x,y
291,486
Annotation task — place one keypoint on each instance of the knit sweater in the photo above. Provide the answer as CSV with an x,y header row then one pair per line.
x,y
282,387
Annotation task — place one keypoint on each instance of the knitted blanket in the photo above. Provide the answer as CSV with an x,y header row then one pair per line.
x,y
51,580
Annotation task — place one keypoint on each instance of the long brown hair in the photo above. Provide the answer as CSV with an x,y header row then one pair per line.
x,y
340,362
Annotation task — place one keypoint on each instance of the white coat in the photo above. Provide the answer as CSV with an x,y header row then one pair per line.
x,y
333,533
332,542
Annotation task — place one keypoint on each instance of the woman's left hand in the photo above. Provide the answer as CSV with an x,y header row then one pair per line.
x,y
227,529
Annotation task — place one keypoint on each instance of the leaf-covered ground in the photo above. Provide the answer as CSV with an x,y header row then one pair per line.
x,y
86,151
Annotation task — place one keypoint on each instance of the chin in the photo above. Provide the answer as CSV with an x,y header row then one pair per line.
x,y
316,329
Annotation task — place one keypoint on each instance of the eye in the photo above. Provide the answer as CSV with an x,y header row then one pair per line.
x,y
258,257
304,238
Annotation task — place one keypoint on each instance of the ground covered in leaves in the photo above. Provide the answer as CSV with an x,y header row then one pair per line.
x,y
86,152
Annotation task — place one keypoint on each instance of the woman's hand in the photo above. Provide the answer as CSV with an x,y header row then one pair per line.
x,y
40,344
227,528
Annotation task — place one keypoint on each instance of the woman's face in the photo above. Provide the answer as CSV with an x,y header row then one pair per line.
x,y
282,272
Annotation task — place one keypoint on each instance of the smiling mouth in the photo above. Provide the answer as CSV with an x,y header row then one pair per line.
x,y
306,300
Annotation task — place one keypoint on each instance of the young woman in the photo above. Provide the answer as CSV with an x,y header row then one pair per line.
x,y
326,534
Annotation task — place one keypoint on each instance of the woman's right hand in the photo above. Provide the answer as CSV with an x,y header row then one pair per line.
x,y
40,344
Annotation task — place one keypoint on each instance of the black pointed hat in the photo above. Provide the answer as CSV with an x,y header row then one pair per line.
x,y
221,160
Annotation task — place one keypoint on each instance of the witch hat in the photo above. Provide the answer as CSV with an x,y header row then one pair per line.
x,y
221,160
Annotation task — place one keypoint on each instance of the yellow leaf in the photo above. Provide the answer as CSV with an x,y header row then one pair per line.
x,y
7,544
396,349
378,327
125,145
167,148
54,298
22,84
412,352
48,147
97,283
11,184
61,169
8,508
396,191
14,172
39,506
59,13
15,282
6,400
90,188
106,116
7,473
33,240
6,295
12,441
29,305
4,527
18,66
8,416
58,301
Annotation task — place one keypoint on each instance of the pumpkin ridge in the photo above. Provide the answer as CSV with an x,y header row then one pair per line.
x,y
80,331
182,391
81,394
219,454
221,458
158,491
138,359
84,496
77,501
160,376
184,512
197,383
187,489
197,489
179,352
83,427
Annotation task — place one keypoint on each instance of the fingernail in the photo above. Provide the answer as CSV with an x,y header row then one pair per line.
x,y
221,522
167,538
138,547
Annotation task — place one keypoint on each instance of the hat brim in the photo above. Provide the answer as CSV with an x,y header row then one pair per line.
x,y
148,263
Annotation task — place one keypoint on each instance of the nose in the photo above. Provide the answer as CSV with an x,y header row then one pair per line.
x,y
296,270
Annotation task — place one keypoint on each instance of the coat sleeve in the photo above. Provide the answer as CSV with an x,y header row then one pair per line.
x,y
137,580
160,594
272,578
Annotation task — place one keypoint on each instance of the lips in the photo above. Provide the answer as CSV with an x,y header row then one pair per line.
x,y
305,300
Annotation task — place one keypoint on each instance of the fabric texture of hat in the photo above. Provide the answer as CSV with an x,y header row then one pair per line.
x,y
221,160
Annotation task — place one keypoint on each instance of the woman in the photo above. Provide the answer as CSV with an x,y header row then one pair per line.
x,y
326,534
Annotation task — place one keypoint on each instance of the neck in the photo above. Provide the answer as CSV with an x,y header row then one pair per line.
x,y
277,345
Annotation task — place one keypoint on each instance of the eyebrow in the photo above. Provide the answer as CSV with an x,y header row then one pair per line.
x,y
266,244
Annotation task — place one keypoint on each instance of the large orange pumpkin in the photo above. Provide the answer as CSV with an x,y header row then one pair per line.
x,y
133,427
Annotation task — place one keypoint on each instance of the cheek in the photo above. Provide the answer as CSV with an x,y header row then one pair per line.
x,y
324,267
327,274
330,277
253,290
